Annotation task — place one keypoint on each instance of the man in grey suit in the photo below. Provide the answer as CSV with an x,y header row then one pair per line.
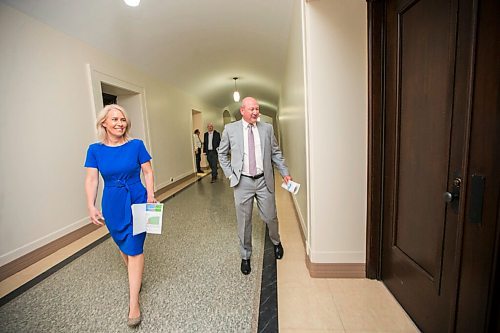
x,y
247,153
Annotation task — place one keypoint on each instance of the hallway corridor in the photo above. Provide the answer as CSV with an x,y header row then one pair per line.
x,y
192,281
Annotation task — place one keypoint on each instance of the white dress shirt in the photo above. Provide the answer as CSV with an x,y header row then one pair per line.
x,y
197,141
258,150
210,137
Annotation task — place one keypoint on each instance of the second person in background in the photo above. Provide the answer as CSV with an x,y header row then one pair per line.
x,y
211,142
197,150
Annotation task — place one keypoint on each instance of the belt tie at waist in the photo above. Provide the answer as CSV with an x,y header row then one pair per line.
x,y
124,184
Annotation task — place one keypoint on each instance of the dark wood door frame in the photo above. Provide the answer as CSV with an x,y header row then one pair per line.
x,y
376,61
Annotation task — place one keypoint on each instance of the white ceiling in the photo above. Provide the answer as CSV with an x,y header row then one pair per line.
x,y
195,45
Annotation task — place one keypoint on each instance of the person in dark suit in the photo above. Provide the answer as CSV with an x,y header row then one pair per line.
x,y
211,141
247,153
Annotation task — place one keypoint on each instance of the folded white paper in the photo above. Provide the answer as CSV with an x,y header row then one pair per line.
x,y
291,186
147,217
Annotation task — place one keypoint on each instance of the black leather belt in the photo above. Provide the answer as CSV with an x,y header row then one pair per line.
x,y
254,177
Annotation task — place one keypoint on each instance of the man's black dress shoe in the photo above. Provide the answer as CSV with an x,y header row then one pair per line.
x,y
245,266
278,251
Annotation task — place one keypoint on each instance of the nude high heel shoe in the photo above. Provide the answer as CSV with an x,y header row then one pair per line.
x,y
133,322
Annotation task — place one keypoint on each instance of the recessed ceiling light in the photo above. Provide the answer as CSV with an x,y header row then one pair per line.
x,y
132,3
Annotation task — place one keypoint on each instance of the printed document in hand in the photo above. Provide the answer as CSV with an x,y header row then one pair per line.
x,y
147,218
291,186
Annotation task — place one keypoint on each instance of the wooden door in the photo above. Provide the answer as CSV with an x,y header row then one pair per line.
x,y
430,57
420,233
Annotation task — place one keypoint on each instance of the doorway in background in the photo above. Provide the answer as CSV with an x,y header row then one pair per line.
x,y
131,102
197,121
128,95
108,99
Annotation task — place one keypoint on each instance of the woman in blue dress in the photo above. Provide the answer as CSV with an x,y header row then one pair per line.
x,y
120,160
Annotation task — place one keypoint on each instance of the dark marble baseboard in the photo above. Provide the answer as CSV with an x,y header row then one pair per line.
x,y
268,310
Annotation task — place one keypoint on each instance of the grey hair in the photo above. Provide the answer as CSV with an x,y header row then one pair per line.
x,y
101,118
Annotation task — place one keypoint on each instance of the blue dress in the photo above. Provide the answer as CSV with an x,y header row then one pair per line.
x,y
120,167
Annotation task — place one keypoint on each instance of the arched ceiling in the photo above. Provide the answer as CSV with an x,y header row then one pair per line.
x,y
195,45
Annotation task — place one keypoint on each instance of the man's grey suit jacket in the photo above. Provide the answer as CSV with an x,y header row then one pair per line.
x,y
232,144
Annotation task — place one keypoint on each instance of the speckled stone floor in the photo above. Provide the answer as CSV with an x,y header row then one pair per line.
x,y
192,279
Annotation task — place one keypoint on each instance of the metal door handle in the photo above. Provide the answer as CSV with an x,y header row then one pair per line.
x,y
449,197
455,191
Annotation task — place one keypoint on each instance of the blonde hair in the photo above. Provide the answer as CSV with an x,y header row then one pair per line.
x,y
101,118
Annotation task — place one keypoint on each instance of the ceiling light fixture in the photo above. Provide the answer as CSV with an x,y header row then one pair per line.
x,y
236,94
132,3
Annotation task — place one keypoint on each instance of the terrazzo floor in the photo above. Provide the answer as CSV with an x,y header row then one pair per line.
x,y
192,279
178,298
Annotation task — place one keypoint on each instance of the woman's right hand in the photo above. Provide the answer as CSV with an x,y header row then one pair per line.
x,y
96,216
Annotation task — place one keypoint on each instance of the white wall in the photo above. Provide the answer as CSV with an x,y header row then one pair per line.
x,y
292,119
336,88
47,122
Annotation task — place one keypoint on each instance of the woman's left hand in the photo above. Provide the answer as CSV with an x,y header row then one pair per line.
x,y
152,200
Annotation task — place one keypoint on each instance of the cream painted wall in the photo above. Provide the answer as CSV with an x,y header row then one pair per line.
x,y
47,122
266,119
292,118
336,83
